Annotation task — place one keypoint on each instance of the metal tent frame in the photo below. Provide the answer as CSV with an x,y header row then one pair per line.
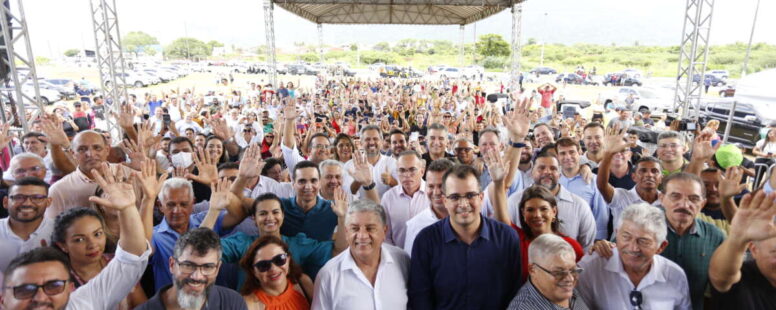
x,y
692,56
110,58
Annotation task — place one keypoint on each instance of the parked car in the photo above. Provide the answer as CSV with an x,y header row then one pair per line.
x,y
727,91
472,72
301,69
543,71
450,73
714,80
163,75
721,74
636,73
656,100
47,96
64,91
621,79
570,78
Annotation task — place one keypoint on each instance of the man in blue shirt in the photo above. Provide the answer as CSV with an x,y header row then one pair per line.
x,y
177,198
465,261
572,179
306,212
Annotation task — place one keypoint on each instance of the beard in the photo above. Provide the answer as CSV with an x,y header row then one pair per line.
x,y
191,301
16,217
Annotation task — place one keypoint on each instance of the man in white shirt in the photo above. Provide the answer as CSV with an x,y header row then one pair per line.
x,y
25,228
27,165
404,201
382,167
370,274
573,212
437,211
635,277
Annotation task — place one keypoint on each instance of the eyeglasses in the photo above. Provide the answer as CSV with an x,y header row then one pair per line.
x,y
36,199
562,274
264,265
28,290
471,196
269,137
321,146
21,171
636,299
463,149
189,267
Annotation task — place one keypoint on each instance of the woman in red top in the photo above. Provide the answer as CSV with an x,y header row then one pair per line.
x,y
538,215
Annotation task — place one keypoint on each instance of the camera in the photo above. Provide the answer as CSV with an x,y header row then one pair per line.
x,y
688,125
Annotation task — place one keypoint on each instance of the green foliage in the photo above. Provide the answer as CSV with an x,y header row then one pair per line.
x,y
353,47
531,41
495,62
187,48
135,41
492,45
40,60
370,57
72,52
310,57
149,51
382,47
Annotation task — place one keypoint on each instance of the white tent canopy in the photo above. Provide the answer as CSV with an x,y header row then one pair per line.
x,y
419,12
757,88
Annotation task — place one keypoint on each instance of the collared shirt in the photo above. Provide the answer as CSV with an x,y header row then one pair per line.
x,y
576,218
626,182
447,273
400,208
529,298
584,160
669,172
605,284
341,285
623,198
219,297
291,157
317,223
74,190
692,251
163,241
309,253
384,163
112,284
590,194
424,219
269,185
13,245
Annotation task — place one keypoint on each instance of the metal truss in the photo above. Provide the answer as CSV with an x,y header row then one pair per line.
x,y
320,43
110,59
692,56
460,48
269,30
517,30
17,57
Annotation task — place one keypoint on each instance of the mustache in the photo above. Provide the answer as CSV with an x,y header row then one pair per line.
x,y
192,281
682,210
35,304
637,254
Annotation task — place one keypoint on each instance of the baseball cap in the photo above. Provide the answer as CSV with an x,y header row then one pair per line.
x,y
728,155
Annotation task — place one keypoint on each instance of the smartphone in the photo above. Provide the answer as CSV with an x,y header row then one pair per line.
x,y
414,136
166,119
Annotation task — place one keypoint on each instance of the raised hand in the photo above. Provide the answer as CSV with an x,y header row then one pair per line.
x,y
118,193
179,172
135,152
497,167
251,163
221,129
518,121
149,182
207,171
361,171
754,218
730,183
289,111
52,128
614,141
126,117
5,137
146,136
340,204
220,195
702,148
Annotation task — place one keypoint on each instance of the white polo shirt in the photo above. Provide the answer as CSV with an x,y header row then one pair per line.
x,y
12,245
623,198
424,219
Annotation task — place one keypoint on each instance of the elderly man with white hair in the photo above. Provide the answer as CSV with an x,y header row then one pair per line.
x,y
552,275
370,274
635,277
27,165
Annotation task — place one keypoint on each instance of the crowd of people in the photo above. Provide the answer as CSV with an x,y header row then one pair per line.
x,y
377,194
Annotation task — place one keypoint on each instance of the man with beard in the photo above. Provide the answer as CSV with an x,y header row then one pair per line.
x,y
319,147
647,176
382,167
576,218
437,143
91,151
370,274
464,261
194,266
437,210
635,276
25,228
593,136
398,140
306,212
404,201
569,156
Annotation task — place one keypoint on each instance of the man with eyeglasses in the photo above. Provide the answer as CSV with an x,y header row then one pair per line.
x,y
670,151
464,152
464,261
404,201
25,228
552,277
635,276
27,165
194,266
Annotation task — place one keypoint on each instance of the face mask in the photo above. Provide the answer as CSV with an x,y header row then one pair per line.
x,y
182,160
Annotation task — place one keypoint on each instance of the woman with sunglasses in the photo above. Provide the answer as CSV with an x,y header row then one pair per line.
x,y
274,281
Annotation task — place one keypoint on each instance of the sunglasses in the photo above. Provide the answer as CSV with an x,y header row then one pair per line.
x,y
264,265
28,290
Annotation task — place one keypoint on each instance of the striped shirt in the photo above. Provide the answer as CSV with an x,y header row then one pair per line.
x,y
529,298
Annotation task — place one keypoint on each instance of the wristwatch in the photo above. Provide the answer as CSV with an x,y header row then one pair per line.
x,y
369,187
517,144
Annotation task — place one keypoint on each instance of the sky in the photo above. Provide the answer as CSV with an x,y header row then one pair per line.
x,y
57,25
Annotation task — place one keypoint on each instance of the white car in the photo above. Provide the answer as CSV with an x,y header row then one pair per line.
x,y
449,73
134,79
472,72
47,96
656,100
720,74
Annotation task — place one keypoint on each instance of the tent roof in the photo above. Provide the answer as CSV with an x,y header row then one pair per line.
x,y
417,12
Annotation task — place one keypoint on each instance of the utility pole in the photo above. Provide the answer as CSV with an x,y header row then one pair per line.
x,y
751,35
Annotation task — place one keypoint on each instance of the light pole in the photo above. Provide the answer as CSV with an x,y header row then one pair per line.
x,y
544,26
751,35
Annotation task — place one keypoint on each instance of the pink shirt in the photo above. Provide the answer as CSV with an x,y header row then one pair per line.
x,y
73,191
546,97
400,208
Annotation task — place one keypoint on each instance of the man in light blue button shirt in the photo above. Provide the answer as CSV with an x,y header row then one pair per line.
x,y
574,180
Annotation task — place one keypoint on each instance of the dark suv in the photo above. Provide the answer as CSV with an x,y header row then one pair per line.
x,y
543,70
300,69
621,79
748,119
713,79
